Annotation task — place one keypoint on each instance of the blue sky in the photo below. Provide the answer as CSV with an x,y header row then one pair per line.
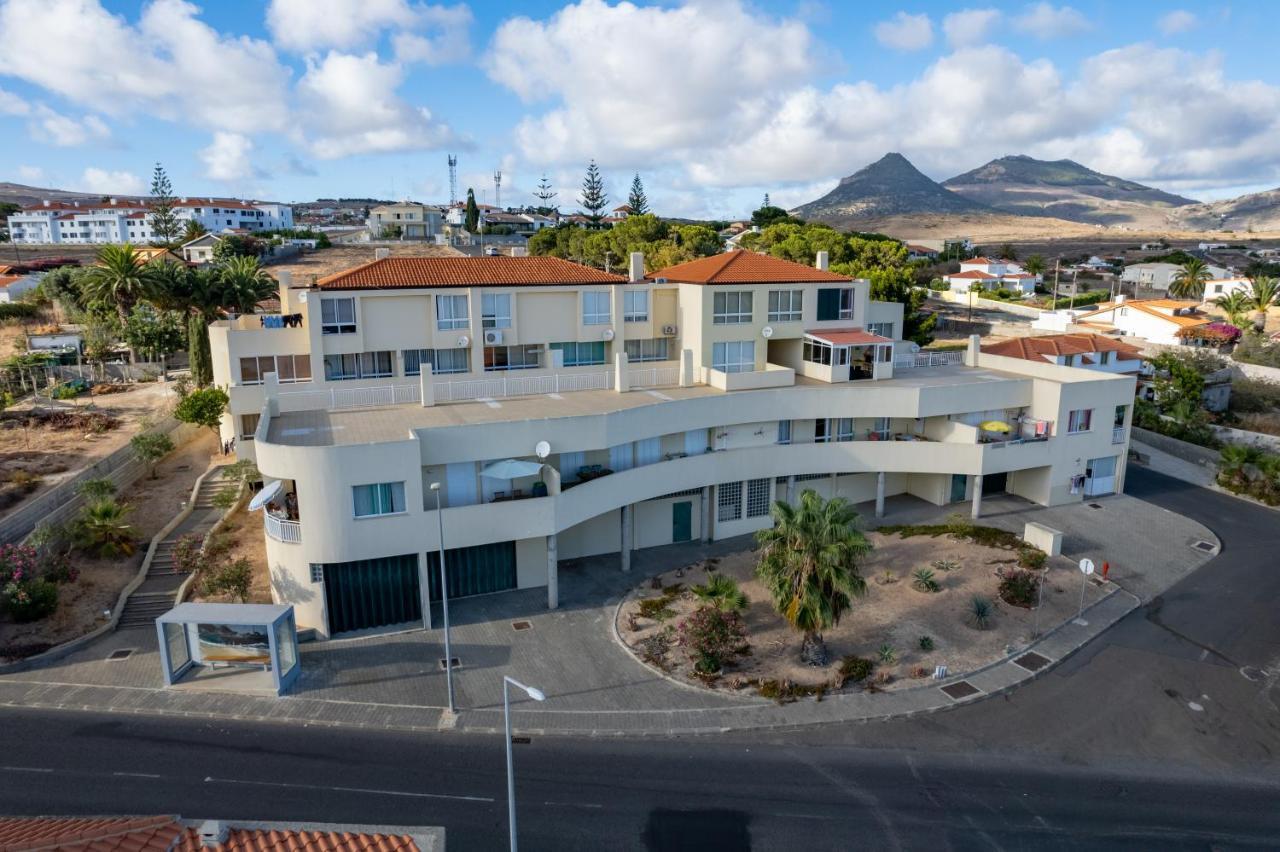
x,y
714,102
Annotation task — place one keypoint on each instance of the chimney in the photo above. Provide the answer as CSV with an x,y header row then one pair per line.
x,y
213,833
46,202
381,254
637,266
1121,297
823,262
519,251
285,277
113,201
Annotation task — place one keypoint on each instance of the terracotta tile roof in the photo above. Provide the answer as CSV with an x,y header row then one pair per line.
x,y
500,271
919,249
985,260
170,834
974,274
847,337
1145,307
1036,348
744,267
6,280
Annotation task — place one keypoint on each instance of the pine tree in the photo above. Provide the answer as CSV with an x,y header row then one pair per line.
x,y
471,220
545,194
636,200
164,225
594,199
766,201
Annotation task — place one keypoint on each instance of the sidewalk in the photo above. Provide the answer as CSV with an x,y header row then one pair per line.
x,y
594,686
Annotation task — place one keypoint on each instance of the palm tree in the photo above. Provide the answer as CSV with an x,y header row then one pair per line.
x,y
1188,282
102,528
193,231
809,564
1266,292
1235,305
244,284
722,593
1035,264
120,278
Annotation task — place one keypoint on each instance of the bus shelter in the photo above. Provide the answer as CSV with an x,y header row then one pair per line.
x,y
199,638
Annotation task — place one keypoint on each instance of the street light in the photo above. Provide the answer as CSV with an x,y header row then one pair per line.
x,y
444,599
536,695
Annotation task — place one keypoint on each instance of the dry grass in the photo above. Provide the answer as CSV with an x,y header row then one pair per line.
x,y
322,262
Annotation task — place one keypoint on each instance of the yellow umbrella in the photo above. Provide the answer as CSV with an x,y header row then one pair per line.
x,y
995,426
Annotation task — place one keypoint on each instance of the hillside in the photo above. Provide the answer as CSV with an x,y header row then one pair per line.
x,y
24,196
891,186
1064,189
1258,211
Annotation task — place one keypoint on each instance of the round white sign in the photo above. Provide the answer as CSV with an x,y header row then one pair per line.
x,y
1086,566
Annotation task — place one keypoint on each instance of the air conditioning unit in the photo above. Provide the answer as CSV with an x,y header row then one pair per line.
x,y
492,337
669,330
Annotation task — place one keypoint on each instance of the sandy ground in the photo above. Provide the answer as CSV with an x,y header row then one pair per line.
x,y
892,613
244,531
155,502
322,262
1038,230
56,455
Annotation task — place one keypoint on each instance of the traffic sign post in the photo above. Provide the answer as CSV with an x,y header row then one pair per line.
x,y
1086,568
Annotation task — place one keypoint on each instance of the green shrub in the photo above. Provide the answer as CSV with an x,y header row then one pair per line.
x,y
712,637
922,580
18,310
187,554
1032,558
102,529
30,600
225,499
150,447
981,611
64,392
887,654
855,669
1020,588
656,608
232,578
97,488
926,643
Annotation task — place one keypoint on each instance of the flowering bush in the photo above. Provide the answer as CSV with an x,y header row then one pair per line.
x,y
29,600
1213,334
17,562
712,637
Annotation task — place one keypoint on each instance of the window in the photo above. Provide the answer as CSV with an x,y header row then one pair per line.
x,y
731,308
495,310
1069,360
829,429
451,313
293,368
382,498
376,365
580,354
784,431
526,357
338,316
734,356
362,365
729,501
816,352
884,329
882,428
1121,410
1078,420
785,305
248,426
757,498
635,306
441,361
648,350
596,307
317,573
1104,357
835,303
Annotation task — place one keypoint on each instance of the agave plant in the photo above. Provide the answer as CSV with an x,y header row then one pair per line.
x,y
980,611
102,529
722,593
922,579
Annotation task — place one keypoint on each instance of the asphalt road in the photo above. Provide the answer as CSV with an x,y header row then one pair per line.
x,y
1159,735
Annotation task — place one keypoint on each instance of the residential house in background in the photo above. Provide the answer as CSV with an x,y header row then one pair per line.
x,y
981,273
556,411
919,252
200,250
1083,350
1219,287
1154,320
120,220
414,221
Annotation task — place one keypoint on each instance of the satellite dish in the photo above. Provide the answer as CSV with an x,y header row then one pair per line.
x,y
608,334
542,449
766,332
464,341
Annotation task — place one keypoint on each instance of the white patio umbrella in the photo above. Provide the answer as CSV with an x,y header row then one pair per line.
x,y
266,495
511,469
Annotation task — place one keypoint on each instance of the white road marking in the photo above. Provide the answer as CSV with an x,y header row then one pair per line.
x,y
25,769
368,790
489,401
135,775
574,805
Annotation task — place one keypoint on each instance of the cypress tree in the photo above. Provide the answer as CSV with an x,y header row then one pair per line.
x,y
472,219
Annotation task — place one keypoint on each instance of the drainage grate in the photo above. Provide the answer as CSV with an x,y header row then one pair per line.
x,y
1032,662
1206,546
521,625
520,740
960,690
456,663
120,654
1095,506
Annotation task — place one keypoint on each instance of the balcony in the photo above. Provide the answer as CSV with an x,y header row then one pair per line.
x,y
282,530
1118,435
772,376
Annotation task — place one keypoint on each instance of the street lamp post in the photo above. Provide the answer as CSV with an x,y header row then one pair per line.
x,y
444,600
536,695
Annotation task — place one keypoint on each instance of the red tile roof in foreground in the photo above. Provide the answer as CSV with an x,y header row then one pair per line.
x,y
6,280
1053,345
501,271
848,337
169,834
744,267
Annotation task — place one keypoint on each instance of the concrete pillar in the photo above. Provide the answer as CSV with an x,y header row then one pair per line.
x,y
626,538
880,494
791,489
706,514
621,375
553,573
973,351
424,590
822,261
686,368
637,266
976,511
271,390
427,387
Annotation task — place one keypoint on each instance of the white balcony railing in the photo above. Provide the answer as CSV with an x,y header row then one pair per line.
x,y
1117,435
654,377
341,399
927,359
288,532
507,386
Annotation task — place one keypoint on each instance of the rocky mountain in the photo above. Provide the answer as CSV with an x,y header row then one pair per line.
x,y
1064,189
891,186
1257,211
23,195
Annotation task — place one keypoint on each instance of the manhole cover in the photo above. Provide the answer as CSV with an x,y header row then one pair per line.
x,y
1032,662
456,662
120,654
521,625
1095,506
960,690
1206,546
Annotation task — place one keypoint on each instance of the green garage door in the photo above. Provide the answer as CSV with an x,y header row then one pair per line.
x,y
372,593
475,570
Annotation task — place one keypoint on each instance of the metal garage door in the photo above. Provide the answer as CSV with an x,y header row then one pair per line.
x,y
372,593
475,570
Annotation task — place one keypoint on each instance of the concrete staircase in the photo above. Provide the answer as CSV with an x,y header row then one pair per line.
x,y
159,591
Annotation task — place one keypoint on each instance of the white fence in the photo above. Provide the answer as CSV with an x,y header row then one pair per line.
x,y
654,377
927,359
342,399
507,386
289,532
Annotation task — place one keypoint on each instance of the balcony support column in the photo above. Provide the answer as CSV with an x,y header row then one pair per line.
x,y
976,511
626,538
424,589
706,514
553,573
791,489
880,494
426,386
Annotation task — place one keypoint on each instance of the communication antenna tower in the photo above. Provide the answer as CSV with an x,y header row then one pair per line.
x,y
453,180
497,188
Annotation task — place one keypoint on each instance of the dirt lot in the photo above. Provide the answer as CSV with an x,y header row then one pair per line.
x,y
892,613
81,604
322,262
243,531
54,455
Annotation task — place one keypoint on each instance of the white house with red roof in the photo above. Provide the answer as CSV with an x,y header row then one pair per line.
x,y
121,220
986,274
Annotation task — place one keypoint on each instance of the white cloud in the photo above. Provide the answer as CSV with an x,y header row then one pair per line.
x,y
1046,21
445,40
1177,21
227,157
111,183
31,174
11,104
905,32
424,33
969,26
350,107
48,125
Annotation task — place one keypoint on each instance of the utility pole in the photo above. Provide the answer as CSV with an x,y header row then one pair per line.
x,y
453,180
1057,262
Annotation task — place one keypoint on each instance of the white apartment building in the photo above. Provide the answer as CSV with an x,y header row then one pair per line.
x,y
556,411
117,220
